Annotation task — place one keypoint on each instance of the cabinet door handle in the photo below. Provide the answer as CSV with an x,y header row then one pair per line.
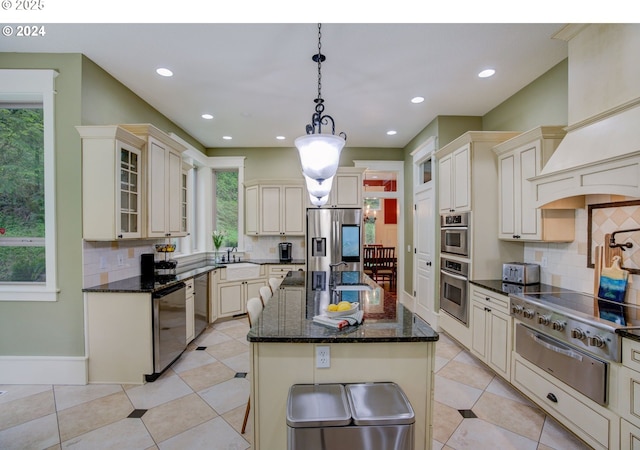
x,y
428,263
552,397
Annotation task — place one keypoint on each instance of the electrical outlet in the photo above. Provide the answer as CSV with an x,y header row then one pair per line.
x,y
543,261
120,259
323,356
103,263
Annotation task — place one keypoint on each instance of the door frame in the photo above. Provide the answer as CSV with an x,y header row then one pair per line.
x,y
398,167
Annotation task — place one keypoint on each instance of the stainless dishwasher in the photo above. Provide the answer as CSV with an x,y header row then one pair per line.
x,y
201,302
169,327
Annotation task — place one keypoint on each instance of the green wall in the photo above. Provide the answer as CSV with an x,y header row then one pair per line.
x,y
55,328
85,95
543,102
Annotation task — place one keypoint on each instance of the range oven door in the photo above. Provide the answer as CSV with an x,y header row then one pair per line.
x,y
454,295
583,372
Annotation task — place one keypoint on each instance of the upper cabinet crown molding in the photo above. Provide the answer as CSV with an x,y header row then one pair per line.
x,y
146,129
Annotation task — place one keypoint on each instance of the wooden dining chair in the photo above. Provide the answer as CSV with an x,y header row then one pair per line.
x,y
386,265
254,309
369,261
265,294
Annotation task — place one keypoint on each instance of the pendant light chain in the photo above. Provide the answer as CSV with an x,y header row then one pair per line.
x,y
319,64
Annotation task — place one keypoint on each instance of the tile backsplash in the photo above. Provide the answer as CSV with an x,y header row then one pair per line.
x,y
565,264
106,262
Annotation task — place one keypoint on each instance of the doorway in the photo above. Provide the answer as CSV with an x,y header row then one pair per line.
x,y
382,213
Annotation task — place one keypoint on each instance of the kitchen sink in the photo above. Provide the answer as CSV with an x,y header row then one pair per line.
x,y
242,271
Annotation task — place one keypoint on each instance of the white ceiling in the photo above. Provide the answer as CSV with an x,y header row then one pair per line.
x,y
259,81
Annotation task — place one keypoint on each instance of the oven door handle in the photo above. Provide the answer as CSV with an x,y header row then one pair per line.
x,y
453,275
538,339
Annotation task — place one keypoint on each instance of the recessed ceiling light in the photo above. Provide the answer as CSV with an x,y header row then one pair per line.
x,y
164,72
207,116
391,132
486,73
227,138
417,99
280,138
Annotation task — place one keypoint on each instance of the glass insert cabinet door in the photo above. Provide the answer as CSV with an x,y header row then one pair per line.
x,y
129,192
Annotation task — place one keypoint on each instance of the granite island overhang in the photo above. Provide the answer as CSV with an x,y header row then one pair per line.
x,y
392,344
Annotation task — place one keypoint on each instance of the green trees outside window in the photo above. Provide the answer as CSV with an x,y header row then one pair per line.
x,y
22,206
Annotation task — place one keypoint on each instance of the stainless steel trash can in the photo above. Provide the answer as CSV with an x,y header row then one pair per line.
x,y
362,416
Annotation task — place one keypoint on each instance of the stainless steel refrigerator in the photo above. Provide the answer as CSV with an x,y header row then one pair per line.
x,y
334,235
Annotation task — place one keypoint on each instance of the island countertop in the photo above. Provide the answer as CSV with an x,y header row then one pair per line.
x,y
288,315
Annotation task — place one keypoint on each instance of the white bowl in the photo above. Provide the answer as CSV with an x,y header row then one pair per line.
x,y
354,308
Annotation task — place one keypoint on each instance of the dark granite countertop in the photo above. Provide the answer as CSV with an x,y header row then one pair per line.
x,y
500,287
138,284
288,316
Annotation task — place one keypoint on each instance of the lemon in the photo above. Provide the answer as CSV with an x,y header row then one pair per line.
x,y
332,307
344,306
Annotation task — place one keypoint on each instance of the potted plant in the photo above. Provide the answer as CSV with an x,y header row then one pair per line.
x,y
218,238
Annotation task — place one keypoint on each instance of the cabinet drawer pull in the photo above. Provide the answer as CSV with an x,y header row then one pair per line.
x,y
552,397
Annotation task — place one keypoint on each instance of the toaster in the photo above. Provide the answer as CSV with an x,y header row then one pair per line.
x,y
521,273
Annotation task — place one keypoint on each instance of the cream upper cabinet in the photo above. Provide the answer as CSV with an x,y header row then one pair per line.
x,y
346,191
112,183
455,181
251,210
164,181
275,209
467,172
519,159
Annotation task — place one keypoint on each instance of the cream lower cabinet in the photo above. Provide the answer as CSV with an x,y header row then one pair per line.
x,y
231,295
519,159
275,209
629,395
492,329
281,270
119,337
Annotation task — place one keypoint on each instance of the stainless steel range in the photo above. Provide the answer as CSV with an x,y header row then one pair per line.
x,y
571,336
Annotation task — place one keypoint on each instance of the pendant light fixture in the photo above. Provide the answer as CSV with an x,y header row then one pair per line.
x,y
320,152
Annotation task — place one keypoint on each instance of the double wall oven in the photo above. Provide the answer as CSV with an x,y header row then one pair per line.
x,y
454,265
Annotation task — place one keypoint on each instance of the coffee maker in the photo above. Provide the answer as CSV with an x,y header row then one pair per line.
x,y
284,251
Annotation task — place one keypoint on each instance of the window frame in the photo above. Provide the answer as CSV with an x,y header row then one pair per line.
x,y
40,82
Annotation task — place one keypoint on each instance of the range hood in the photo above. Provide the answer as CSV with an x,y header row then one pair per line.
x,y
600,153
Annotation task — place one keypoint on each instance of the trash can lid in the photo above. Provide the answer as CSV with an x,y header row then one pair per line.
x,y
379,404
317,405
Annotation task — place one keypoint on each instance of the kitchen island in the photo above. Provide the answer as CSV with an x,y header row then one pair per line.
x,y
392,344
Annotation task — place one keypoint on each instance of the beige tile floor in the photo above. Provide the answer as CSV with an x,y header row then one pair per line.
x,y
200,403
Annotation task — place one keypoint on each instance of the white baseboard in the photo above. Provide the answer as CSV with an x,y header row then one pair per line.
x,y
43,370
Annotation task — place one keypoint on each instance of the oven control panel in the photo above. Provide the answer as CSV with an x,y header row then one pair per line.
x,y
591,336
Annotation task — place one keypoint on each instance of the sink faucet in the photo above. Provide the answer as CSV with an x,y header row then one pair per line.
x,y
229,250
331,274
341,263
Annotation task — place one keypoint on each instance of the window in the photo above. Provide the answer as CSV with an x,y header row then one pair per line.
x,y
27,225
226,211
